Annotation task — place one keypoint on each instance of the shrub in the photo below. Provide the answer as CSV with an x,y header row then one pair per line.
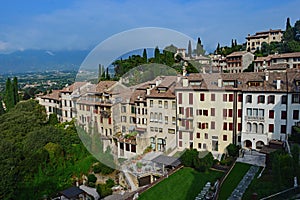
x,y
227,161
103,190
233,150
110,183
188,157
92,178
103,169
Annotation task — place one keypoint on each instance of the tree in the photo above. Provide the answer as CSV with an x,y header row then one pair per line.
x,y
9,95
289,33
2,111
188,157
15,90
199,48
232,43
233,150
156,55
53,120
295,153
190,49
103,190
218,49
145,55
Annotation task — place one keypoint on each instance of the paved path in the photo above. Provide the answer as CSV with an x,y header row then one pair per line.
x,y
253,158
244,183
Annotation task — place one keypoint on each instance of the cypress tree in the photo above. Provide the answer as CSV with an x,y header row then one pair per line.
x,y
199,48
156,55
9,95
15,89
145,56
190,49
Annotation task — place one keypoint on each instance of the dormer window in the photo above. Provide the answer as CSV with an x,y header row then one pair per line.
x,y
195,83
228,83
255,83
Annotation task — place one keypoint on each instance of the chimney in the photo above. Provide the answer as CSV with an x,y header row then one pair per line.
x,y
148,91
178,79
266,76
158,82
278,82
203,70
219,82
185,82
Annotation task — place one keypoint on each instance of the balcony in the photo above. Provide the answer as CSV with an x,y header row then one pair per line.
x,y
182,128
255,118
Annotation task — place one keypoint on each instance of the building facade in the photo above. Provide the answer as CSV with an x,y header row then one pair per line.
x,y
254,42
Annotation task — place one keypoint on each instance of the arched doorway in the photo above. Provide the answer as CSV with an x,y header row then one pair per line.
x,y
248,143
259,144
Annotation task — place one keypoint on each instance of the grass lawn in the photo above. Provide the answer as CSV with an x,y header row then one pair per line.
x,y
184,184
233,179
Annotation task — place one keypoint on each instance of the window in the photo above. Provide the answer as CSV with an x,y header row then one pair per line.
x,y
205,112
151,103
212,111
198,135
224,137
191,98
180,144
199,145
166,119
191,111
181,110
283,129
283,114
225,126
239,126
261,99
173,120
271,99
239,112
271,114
160,118
202,97
283,99
224,97
254,128
204,145
230,97
260,128
248,99
212,125
224,112
271,128
230,112
249,127
166,104
212,97
296,114
180,135
295,98
160,104
123,109
230,126
179,99
240,98
206,135
173,105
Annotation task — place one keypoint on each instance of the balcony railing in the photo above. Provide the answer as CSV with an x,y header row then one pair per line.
x,y
255,118
182,128
254,133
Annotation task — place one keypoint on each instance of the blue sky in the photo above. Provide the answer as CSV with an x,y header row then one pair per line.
x,y
82,24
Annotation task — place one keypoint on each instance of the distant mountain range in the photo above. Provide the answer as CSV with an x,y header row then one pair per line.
x,y
41,60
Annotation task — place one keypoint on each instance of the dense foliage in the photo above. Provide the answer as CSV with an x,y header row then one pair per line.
x,y
232,150
190,158
166,57
38,158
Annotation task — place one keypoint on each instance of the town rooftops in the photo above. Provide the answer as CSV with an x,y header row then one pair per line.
x,y
73,87
55,95
263,33
103,86
72,192
237,54
250,81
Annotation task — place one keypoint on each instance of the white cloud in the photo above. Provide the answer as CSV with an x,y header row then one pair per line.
x,y
86,23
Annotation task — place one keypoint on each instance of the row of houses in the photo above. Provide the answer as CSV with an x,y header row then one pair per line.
x,y
201,111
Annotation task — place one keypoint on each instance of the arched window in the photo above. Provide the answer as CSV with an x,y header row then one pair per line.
x,y
261,128
254,128
249,127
